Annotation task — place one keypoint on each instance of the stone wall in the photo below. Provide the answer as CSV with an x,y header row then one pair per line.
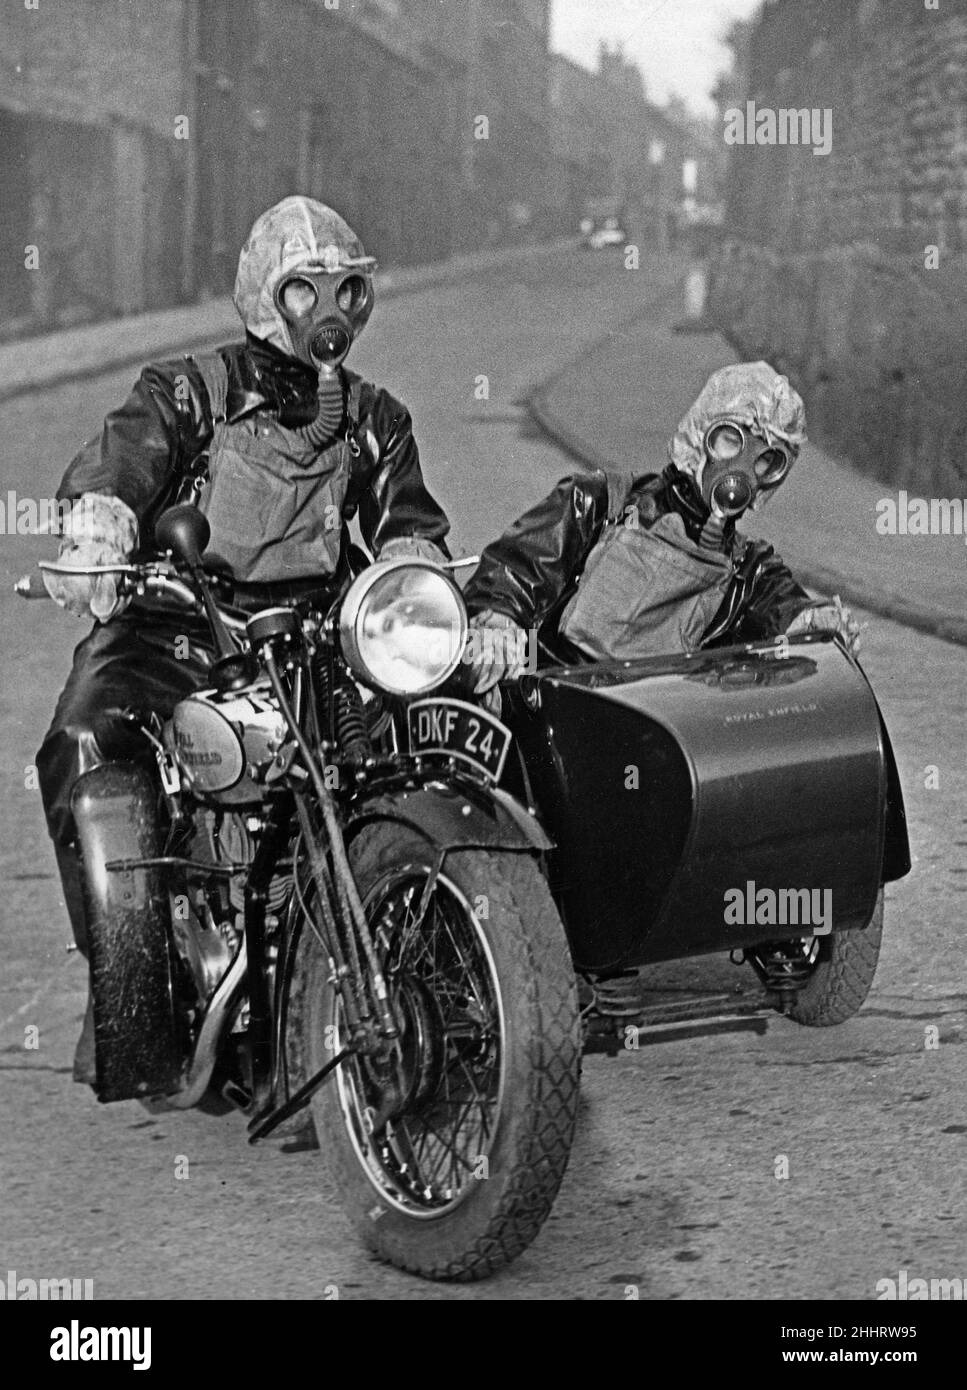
x,y
849,270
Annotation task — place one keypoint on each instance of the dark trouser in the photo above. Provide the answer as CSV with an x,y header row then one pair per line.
x,y
139,662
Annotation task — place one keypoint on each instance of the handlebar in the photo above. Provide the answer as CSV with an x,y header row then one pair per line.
x,y
134,579
151,579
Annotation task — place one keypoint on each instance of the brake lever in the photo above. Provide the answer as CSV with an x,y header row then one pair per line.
x,y
30,587
53,567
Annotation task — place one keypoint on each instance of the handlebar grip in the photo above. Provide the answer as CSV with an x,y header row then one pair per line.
x,y
30,586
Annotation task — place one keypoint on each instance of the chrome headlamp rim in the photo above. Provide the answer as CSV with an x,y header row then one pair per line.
x,y
353,609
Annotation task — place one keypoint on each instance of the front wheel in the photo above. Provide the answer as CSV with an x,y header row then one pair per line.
x,y
823,980
450,1170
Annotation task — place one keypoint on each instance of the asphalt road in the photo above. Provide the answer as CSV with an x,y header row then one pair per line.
x,y
672,1188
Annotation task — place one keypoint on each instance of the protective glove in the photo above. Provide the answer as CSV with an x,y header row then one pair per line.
x,y
833,616
497,649
101,530
415,547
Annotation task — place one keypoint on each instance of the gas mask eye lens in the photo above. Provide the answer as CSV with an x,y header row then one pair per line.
x,y
351,293
771,466
298,298
725,442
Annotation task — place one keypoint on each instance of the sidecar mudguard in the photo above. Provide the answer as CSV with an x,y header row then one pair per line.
x,y
136,1041
670,782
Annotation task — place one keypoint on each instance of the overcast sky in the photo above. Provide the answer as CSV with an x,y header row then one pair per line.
x,y
676,43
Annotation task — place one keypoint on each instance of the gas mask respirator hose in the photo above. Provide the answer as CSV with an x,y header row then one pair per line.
x,y
323,313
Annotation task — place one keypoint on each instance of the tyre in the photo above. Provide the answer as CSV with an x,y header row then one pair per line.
x,y
450,1172
830,976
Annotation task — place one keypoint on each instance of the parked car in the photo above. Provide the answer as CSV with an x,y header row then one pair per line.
x,y
603,225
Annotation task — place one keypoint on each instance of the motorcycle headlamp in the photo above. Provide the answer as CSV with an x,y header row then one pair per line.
x,y
403,626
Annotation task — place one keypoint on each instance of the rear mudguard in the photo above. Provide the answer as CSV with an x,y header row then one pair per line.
x,y
138,1051
896,841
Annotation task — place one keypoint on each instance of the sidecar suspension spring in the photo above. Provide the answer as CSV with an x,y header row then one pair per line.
x,y
349,717
619,997
783,969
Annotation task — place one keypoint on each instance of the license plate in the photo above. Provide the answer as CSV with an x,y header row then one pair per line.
x,y
459,730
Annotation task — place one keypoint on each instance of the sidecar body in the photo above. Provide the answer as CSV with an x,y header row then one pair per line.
x,y
701,803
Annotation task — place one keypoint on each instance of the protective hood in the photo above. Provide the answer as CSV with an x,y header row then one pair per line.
x,y
751,393
297,234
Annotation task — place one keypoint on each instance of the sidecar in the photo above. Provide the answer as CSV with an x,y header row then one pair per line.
x,y
734,799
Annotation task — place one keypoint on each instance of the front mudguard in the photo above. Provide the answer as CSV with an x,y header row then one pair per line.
x,y
137,1044
463,815
456,815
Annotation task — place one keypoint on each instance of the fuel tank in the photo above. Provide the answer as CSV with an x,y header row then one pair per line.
x,y
669,783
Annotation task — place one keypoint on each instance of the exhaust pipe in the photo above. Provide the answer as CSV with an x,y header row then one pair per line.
x,y
202,1063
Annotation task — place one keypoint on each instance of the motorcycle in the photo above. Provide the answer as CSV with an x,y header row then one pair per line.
x,y
359,877
316,878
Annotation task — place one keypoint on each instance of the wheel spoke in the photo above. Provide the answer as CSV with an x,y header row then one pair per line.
x,y
433,1136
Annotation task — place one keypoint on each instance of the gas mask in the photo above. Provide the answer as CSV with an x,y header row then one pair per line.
x,y
323,313
738,441
325,310
739,468
305,285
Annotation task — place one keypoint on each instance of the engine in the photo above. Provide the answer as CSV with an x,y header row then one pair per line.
x,y
208,927
225,742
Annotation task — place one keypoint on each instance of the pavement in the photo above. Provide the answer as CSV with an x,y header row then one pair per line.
x,y
606,408
672,1187
617,404
36,364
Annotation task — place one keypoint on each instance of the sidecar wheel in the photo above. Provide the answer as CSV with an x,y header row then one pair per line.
x,y
841,970
451,1172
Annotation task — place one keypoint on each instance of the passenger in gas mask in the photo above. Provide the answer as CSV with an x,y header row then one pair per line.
x,y
280,445
609,567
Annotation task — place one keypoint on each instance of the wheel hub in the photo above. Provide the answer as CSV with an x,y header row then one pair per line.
x,y
403,1079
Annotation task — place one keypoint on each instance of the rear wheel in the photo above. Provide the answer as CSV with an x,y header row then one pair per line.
x,y
823,980
449,1168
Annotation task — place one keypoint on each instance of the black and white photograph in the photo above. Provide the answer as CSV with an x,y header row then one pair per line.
x,y
482,573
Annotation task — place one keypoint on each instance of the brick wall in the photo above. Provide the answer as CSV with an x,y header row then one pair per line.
x,y
824,268
93,60
91,172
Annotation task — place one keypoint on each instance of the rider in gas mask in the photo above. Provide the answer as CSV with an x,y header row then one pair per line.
x,y
612,567
305,285
280,445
